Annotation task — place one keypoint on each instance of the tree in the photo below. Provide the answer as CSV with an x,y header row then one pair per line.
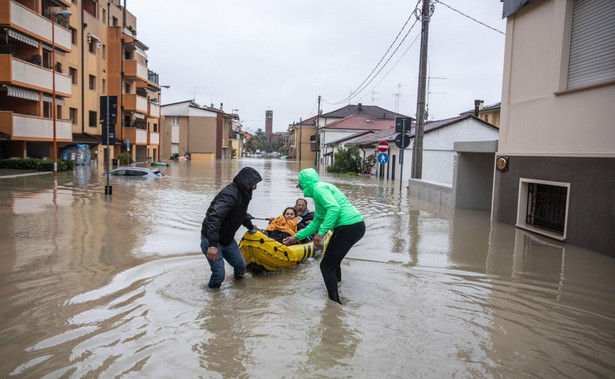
x,y
261,139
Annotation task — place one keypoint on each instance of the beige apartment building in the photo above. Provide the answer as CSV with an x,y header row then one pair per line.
x,y
96,54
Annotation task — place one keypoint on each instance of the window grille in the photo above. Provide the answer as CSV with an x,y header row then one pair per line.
x,y
546,207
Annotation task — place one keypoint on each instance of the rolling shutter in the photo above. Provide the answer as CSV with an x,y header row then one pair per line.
x,y
592,43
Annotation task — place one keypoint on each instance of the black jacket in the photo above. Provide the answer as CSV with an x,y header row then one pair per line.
x,y
306,217
228,210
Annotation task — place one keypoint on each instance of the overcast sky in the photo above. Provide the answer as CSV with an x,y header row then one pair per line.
x,y
281,55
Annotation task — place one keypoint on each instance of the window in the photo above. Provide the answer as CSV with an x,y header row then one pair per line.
x,y
93,119
155,128
74,116
592,44
104,86
46,109
114,21
126,87
72,72
92,82
174,120
92,45
543,207
127,55
104,16
74,36
104,51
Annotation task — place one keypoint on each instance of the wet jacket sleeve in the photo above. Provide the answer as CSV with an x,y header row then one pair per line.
x,y
222,206
310,229
247,222
325,197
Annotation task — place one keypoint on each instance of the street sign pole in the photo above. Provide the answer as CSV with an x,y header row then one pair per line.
x,y
108,188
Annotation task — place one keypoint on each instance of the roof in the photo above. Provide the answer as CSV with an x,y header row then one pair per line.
x,y
389,134
359,122
86,138
486,108
365,110
350,137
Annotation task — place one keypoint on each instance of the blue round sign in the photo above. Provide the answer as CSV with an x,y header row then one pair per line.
x,y
383,158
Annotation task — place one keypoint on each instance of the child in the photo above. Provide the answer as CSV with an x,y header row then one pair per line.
x,y
283,226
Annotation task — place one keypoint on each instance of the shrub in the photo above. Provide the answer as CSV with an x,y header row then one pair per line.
x,y
36,164
125,159
346,160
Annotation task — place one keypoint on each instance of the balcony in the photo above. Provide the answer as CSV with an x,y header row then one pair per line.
x,y
134,69
30,75
154,138
37,25
154,110
134,102
34,128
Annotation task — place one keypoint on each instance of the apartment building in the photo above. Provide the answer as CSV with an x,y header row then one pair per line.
x,y
96,54
556,156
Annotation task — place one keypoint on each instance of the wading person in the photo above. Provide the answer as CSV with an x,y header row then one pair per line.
x,y
226,213
332,211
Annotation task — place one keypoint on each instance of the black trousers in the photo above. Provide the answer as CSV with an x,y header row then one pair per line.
x,y
344,237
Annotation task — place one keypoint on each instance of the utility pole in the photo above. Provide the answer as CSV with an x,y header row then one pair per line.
x,y
317,137
417,151
300,134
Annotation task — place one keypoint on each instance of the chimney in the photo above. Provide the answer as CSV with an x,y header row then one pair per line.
x,y
478,105
221,104
360,107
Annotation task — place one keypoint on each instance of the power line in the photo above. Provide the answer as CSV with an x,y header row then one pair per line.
x,y
361,86
465,15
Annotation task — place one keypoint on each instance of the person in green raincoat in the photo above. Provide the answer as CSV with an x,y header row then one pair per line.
x,y
334,212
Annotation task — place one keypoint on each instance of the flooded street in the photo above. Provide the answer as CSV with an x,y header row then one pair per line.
x,y
92,286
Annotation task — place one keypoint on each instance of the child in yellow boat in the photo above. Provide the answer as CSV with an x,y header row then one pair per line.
x,y
283,226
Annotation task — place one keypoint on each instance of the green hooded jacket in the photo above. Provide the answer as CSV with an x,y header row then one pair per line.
x,y
332,208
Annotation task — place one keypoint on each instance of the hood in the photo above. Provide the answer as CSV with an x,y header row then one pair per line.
x,y
246,178
307,179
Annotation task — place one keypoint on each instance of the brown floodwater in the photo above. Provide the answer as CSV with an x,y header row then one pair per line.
x,y
105,286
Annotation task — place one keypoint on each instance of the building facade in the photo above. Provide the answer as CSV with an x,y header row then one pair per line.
x,y
556,156
96,54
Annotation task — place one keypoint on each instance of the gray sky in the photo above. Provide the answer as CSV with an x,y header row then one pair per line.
x,y
282,54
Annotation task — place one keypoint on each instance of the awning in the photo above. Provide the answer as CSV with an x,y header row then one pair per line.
x,y
21,93
139,115
49,99
59,52
23,38
91,37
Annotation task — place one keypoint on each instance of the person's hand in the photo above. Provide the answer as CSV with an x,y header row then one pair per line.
x,y
212,253
290,240
318,240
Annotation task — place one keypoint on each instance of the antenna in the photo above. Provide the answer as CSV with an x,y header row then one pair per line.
x,y
428,93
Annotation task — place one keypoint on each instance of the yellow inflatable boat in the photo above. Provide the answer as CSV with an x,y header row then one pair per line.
x,y
262,253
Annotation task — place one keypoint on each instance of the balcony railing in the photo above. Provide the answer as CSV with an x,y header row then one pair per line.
x,y
135,124
152,76
31,75
36,24
26,127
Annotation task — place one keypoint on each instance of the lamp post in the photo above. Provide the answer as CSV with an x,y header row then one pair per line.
x,y
160,119
63,12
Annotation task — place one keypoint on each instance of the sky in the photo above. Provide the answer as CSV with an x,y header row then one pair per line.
x,y
280,55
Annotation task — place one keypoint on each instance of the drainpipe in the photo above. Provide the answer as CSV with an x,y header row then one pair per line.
x,y
84,25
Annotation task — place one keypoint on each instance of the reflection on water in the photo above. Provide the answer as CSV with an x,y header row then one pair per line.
x,y
103,286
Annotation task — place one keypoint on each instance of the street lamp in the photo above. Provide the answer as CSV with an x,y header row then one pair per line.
x,y
63,12
160,119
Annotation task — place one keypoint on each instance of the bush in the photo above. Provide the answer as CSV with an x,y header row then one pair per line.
x,y
368,164
346,160
36,164
125,159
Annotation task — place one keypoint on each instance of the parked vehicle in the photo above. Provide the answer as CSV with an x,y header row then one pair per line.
x,y
139,172
79,153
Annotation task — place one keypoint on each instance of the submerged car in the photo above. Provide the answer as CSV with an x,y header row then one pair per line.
x,y
142,172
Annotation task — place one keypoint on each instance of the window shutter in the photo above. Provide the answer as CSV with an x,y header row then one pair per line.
x,y
592,44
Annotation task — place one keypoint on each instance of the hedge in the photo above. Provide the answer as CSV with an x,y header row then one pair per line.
x,y
36,164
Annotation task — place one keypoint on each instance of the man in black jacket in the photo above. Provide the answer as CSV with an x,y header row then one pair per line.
x,y
226,213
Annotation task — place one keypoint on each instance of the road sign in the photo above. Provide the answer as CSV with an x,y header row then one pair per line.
x,y
383,146
383,158
403,124
402,141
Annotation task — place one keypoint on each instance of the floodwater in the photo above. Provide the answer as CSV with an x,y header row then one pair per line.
x,y
96,286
